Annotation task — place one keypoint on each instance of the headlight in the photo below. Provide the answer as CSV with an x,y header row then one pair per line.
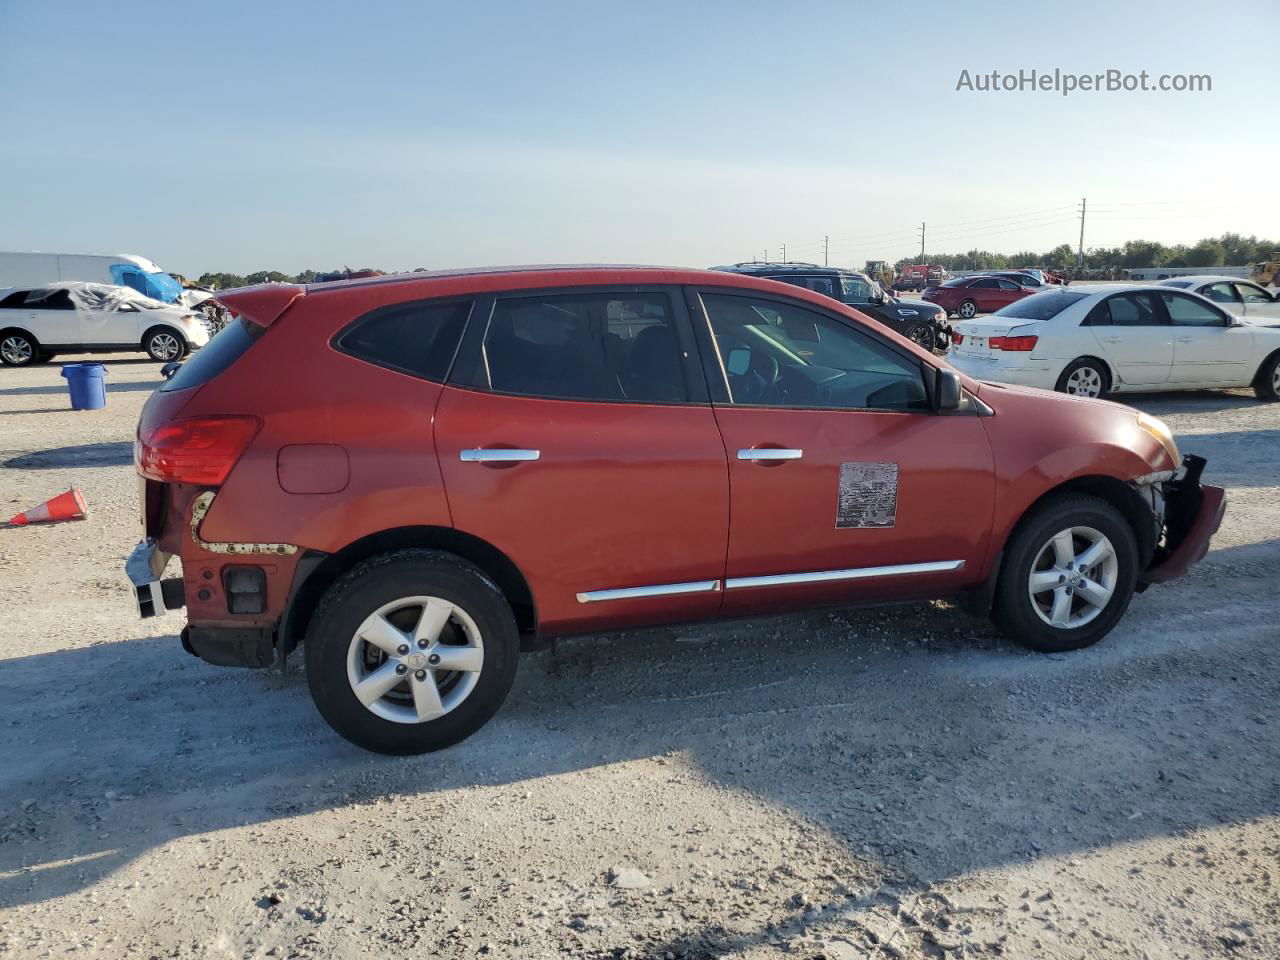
x,y
1160,430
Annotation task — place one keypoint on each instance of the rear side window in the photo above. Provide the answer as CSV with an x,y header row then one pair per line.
x,y
593,346
230,344
14,300
1127,310
419,338
986,284
1041,306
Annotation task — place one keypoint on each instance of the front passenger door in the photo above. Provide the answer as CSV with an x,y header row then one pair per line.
x,y
1207,348
845,486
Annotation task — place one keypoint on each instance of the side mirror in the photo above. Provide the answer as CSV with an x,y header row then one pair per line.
x,y
947,390
169,369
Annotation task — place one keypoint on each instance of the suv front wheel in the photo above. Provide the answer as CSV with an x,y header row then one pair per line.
x,y
411,652
1068,575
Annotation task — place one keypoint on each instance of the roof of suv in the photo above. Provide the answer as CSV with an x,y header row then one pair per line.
x,y
264,303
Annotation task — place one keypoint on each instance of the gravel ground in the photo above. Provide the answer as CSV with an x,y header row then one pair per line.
x,y
887,783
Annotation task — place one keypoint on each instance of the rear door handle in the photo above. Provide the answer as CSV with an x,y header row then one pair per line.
x,y
1110,339
498,456
1186,339
769,453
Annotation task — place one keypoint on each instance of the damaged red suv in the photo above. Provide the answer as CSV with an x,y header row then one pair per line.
x,y
415,476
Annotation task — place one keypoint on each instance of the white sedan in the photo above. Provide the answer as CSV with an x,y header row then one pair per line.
x,y
75,317
1240,298
1115,338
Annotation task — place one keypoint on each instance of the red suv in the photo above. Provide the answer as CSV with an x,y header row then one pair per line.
x,y
414,476
966,297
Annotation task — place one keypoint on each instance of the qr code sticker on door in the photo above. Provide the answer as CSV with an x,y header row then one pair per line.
x,y
868,495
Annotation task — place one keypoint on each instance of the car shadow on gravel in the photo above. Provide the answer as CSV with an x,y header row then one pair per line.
x,y
132,386
923,744
118,453
1190,401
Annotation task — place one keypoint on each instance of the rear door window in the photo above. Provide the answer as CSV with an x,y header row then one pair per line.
x,y
608,346
418,338
1221,293
1131,310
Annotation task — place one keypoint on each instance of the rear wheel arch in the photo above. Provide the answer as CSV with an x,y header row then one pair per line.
x,y
317,572
28,335
1265,369
1103,366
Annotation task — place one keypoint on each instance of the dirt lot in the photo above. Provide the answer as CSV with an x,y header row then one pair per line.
x,y
892,783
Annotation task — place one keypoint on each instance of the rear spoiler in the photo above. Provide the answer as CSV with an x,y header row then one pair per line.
x,y
262,304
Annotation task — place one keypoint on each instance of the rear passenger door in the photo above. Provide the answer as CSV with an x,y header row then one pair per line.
x,y
576,436
1133,335
985,293
51,317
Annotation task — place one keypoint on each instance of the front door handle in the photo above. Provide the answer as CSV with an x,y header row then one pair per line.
x,y
1110,339
769,453
498,456
1186,339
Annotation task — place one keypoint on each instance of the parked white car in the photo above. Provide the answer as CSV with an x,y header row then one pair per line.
x,y
1120,337
73,317
1240,298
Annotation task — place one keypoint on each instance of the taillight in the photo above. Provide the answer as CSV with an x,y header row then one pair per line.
x,y
957,337
1016,344
200,451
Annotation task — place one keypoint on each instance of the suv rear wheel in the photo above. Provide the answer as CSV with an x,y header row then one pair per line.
x,y
1068,575
411,652
967,309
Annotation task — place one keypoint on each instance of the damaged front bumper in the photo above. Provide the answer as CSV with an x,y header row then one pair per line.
x,y
1192,515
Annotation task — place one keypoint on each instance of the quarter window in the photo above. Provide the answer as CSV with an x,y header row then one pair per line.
x,y
1185,312
594,346
779,354
419,338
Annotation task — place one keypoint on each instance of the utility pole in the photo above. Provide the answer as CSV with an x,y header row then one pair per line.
x,y
766,254
1080,252
826,244
784,253
922,241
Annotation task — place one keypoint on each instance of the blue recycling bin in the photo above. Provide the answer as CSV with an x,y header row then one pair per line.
x,y
86,386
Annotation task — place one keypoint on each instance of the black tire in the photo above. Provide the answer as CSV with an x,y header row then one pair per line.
x,y
165,345
967,310
383,580
921,334
1015,612
1266,385
1090,370
18,348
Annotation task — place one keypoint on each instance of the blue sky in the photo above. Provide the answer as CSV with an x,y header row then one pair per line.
x,y
240,136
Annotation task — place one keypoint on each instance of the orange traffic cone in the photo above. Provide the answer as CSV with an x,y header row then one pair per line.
x,y
65,506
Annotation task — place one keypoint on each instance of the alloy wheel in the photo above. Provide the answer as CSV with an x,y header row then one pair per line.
x,y
1085,382
16,350
164,346
1073,577
415,659
968,310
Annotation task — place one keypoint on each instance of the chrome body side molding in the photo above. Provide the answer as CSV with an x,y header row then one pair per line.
x,y
661,590
857,573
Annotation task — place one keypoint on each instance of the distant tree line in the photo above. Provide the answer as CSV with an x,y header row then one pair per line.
x,y
1229,249
227,281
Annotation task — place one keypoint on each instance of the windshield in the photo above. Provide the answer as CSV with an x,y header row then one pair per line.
x,y
1040,306
856,289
